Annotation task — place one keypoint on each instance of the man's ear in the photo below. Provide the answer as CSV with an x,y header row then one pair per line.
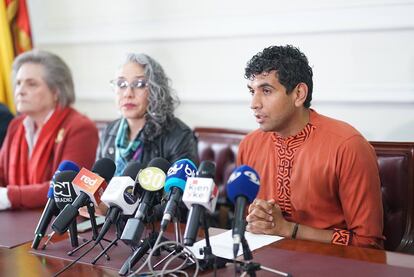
x,y
301,92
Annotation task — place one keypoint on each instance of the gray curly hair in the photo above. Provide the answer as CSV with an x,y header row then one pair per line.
x,y
162,98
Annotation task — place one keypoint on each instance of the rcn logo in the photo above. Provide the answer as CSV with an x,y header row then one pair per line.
x,y
62,189
88,181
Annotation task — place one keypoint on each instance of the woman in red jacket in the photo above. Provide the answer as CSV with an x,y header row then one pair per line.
x,y
46,132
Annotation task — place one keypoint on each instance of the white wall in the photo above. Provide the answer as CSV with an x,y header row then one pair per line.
x,y
362,54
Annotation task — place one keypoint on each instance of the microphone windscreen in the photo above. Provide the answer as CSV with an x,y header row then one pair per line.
x,y
64,192
207,169
178,173
132,169
160,163
244,181
68,165
64,165
105,168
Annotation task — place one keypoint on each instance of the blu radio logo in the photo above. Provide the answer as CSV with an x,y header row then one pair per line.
x,y
185,166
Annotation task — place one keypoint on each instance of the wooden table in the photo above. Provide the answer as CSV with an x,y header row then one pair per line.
x,y
300,258
297,257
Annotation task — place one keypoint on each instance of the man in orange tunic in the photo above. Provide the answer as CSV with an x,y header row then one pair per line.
x,y
319,176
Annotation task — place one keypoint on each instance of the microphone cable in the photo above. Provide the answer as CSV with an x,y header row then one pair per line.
x,y
164,271
157,241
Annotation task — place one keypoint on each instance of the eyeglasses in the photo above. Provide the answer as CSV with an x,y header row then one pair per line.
x,y
121,84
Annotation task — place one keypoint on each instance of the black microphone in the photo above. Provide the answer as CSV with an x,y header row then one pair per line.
x,y
89,186
200,194
50,209
152,180
119,197
64,194
242,188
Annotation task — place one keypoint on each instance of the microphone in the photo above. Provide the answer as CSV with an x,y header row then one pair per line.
x,y
64,194
50,209
200,194
242,188
119,197
176,179
89,186
152,180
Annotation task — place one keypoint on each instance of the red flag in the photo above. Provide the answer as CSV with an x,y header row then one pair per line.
x,y
18,16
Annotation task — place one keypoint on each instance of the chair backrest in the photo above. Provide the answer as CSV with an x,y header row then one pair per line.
x,y
396,167
219,145
101,125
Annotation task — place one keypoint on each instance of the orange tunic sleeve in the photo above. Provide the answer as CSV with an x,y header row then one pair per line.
x,y
363,215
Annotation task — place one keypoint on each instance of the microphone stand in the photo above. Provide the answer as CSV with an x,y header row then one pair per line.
x,y
251,267
210,261
91,211
176,249
73,234
148,244
139,252
118,232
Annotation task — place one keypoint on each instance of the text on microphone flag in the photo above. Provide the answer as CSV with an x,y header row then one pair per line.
x,y
199,190
86,180
62,189
253,177
90,183
151,178
243,182
189,168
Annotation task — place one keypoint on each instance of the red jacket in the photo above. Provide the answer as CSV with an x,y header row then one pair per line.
x,y
77,142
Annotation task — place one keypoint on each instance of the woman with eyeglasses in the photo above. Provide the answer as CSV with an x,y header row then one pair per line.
x,y
147,128
46,131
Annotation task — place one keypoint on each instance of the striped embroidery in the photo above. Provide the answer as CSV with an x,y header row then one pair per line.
x,y
286,148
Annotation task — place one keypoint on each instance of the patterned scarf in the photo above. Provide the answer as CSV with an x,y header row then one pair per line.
x,y
125,150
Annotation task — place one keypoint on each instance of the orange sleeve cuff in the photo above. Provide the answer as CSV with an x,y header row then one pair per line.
x,y
341,237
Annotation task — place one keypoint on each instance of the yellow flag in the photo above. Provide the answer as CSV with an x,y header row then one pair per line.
x,y
6,59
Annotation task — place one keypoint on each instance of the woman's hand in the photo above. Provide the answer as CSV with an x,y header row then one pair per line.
x,y
4,199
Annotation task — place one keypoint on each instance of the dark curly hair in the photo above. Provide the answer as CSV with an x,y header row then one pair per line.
x,y
291,65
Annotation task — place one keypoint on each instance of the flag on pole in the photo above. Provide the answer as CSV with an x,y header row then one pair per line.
x,y
6,58
20,25
15,38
